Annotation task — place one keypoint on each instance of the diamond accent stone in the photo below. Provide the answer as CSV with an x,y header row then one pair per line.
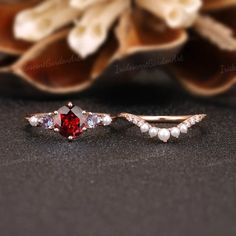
x,y
33,120
92,120
106,120
47,122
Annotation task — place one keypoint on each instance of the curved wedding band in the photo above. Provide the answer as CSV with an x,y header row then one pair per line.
x,y
71,121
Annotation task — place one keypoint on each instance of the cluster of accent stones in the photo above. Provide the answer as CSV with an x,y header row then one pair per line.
x,y
42,120
70,121
94,119
164,134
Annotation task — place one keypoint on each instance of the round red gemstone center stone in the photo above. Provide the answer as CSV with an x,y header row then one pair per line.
x,y
70,121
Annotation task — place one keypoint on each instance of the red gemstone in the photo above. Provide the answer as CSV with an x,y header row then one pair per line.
x,y
70,121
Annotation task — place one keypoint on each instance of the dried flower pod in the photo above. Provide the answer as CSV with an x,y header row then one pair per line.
x,y
217,4
52,67
207,61
93,27
82,4
208,69
35,23
175,13
8,43
216,32
136,35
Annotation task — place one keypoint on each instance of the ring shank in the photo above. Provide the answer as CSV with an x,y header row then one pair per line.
x,y
156,119
165,119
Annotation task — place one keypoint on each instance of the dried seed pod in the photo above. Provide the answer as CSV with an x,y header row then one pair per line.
x,y
92,29
82,5
217,4
8,43
136,35
208,61
52,67
40,21
175,13
207,69
216,32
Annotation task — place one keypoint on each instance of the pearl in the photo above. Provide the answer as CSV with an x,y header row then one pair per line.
x,y
175,132
153,132
33,121
106,120
144,128
183,129
164,135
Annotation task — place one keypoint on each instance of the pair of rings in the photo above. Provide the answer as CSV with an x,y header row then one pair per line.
x,y
71,121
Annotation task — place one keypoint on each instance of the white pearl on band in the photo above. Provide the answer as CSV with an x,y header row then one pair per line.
x,y
164,135
33,121
175,132
144,128
153,132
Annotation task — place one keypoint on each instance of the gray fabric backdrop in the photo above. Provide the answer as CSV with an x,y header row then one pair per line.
x,y
114,181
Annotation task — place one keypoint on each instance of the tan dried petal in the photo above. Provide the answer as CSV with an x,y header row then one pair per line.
x,y
83,4
216,32
52,66
207,70
36,23
93,27
175,13
139,31
8,44
217,4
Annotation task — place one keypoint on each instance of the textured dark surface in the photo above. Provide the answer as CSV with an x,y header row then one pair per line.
x,y
114,181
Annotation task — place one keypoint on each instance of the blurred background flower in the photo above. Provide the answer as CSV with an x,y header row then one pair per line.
x,y
62,46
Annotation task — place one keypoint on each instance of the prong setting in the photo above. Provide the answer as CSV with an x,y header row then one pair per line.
x,y
70,104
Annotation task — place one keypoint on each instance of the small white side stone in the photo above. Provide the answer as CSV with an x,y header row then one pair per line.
x,y
106,120
144,128
192,121
33,121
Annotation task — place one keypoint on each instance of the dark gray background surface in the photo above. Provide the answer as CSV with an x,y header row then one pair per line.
x,y
114,181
